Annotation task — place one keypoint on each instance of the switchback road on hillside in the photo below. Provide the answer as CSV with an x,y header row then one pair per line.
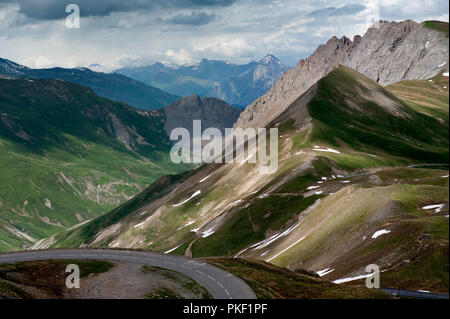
x,y
220,283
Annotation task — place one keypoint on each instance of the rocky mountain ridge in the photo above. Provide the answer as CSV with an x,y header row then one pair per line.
x,y
389,52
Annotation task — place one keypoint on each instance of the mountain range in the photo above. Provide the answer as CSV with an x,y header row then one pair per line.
x,y
362,177
113,86
236,84
388,53
72,155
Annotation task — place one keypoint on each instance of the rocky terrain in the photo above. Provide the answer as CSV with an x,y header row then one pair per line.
x,y
211,111
344,190
362,172
236,84
392,52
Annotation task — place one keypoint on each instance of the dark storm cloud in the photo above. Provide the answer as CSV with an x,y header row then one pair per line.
x,y
333,11
195,18
55,9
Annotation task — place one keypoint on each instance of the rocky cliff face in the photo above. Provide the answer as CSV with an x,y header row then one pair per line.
x,y
211,111
295,82
244,88
399,51
392,52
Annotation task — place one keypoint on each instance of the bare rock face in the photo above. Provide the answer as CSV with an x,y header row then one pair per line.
x,y
391,52
397,51
211,111
295,82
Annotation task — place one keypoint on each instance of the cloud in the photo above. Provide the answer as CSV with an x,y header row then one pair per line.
x,y
180,57
333,11
123,33
195,18
55,9
10,15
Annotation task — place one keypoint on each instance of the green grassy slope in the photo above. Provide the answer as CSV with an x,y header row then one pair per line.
x,y
429,97
272,282
437,25
68,155
364,184
353,111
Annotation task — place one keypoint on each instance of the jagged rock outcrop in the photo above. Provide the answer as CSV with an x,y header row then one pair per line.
x,y
244,88
295,82
211,111
399,51
388,53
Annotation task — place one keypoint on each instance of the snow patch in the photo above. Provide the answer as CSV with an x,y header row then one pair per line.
x,y
185,201
244,161
140,224
329,150
190,223
204,179
170,250
48,203
380,232
324,272
437,208
286,249
340,281
208,232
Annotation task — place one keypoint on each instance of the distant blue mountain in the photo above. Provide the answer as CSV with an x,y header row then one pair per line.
x,y
236,84
113,86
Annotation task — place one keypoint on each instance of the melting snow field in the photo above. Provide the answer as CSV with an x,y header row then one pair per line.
x,y
204,179
190,223
185,201
380,232
329,150
286,249
437,208
208,232
140,224
170,250
340,281
324,272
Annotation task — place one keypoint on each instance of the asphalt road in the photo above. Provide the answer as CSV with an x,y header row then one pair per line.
x,y
414,294
220,283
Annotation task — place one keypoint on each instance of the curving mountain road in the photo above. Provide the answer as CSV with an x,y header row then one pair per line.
x,y
220,283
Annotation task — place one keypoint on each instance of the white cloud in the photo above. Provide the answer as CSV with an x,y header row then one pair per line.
x,y
225,47
242,31
180,57
9,15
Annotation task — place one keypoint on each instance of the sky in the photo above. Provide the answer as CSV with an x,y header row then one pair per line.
x,y
120,33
